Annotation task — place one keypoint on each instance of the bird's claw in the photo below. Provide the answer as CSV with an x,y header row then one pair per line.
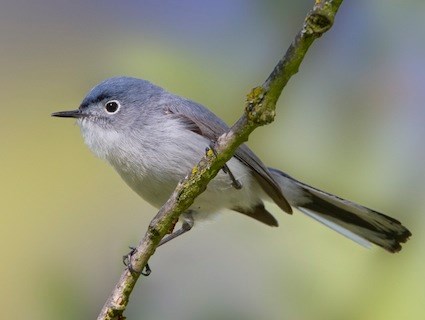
x,y
126,259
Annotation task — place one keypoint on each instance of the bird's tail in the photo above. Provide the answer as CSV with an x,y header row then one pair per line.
x,y
358,223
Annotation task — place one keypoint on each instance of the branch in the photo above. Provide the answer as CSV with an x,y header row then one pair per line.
x,y
259,110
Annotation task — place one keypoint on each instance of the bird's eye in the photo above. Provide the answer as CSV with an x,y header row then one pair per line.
x,y
112,106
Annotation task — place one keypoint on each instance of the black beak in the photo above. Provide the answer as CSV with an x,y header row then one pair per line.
x,y
69,114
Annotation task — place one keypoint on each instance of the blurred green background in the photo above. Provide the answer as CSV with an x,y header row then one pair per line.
x,y
351,122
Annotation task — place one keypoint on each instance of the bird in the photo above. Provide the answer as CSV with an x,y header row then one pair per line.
x,y
153,138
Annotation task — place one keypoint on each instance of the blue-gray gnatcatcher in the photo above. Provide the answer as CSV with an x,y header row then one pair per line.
x,y
153,138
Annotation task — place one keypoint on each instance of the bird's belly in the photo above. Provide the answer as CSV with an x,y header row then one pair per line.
x,y
153,188
157,186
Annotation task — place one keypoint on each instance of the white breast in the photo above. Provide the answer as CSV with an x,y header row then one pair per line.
x,y
153,164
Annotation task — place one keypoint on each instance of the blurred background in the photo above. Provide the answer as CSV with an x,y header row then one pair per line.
x,y
351,122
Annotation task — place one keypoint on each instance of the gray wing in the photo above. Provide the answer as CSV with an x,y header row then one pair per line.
x,y
202,121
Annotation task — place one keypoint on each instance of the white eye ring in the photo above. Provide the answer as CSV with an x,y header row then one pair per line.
x,y
112,106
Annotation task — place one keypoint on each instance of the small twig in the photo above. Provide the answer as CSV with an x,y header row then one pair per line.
x,y
259,110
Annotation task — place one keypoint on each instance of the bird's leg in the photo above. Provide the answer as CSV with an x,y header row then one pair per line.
x,y
235,183
187,224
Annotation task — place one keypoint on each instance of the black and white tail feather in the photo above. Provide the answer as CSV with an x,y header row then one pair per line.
x,y
358,223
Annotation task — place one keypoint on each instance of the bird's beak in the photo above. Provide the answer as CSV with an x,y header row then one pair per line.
x,y
69,114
